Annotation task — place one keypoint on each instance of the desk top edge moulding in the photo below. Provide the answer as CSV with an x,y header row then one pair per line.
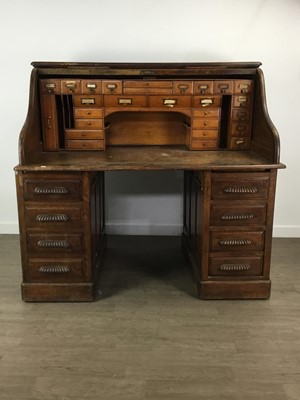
x,y
209,120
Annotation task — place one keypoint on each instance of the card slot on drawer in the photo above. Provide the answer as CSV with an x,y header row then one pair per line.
x,y
243,86
237,241
58,270
240,115
240,185
54,244
234,215
170,102
203,87
207,101
58,217
87,101
182,87
91,86
248,265
125,101
50,189
223,87
88,123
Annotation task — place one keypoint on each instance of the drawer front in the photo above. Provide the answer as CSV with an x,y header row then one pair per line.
x,y
88,101
147,87
205,134
54,271
240,185
201,144
93,86
84,144
235,266
203,87
237,241
243,86
240,115
71,86
233,215
170,102
88,113
207,113
125,101
207,101
239,143
112,87
88,124
50,86
50,189
56,217
241,101
54,244
83,134
240,129
182,87
223,87
205,123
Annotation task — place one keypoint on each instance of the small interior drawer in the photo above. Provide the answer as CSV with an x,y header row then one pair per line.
x,y
88,112
85,123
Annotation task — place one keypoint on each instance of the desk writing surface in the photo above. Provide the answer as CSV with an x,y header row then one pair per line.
x,y
147,158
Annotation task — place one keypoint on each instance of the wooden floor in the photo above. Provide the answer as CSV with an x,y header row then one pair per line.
x,y
149,337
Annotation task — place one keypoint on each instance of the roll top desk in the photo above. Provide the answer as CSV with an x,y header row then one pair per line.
x,y
208,119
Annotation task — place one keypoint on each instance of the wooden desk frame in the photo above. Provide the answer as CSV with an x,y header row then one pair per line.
x,y
208,119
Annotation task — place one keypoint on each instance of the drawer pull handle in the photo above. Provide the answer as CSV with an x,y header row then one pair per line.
x,y
111,87
183,88
49,123
206,102
237,217
234,267
235,242
71,85
170,102
91,86
54,269
240,141
51,190
53,243
88,101
52,218
125,102
240,190
50,87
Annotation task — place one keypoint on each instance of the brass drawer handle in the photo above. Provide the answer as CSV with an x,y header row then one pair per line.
x,y
53,243
50,87
71,85
206,102
111,87
125,102
50,190
52,218
170,102
54,269
240,190
237,217
91,86
240,141
235,242
183,88
234,267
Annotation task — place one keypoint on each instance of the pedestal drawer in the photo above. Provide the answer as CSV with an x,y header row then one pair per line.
x,y
233,215
237,241
53,217
59,270
54,244
47,187
235,266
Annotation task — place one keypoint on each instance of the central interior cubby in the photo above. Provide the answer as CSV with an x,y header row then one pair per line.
x,y
147,128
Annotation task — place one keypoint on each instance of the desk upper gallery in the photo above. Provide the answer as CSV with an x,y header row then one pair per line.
x,y
207,119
